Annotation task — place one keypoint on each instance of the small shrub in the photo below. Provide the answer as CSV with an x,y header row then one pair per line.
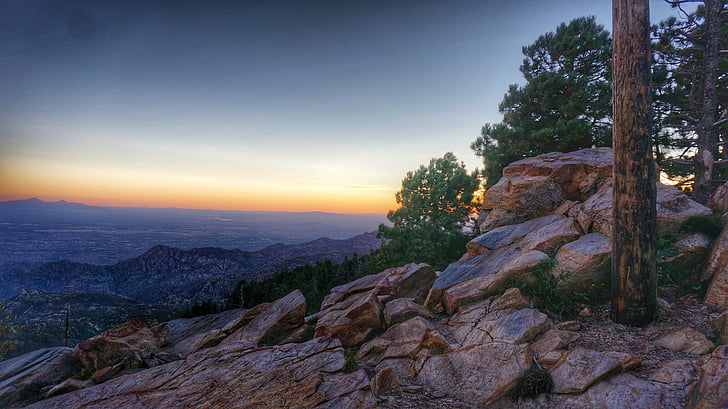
x,y
708,225
545,289
352,364
536,380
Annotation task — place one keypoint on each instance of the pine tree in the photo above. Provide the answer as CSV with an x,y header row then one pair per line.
x,y
565,104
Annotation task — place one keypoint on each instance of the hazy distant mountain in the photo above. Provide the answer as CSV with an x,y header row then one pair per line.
x,y
170,275
36,231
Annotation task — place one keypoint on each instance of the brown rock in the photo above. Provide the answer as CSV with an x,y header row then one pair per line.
x,y
717,294
550,359
680,371
719,199
551,236
191,334
711,391
235,376
507,235
104,374
718,258
339,293
274,323
109,347
685,340
584,262
401,309
352,319
673,208
627,361
408,281
405,340
569,326
518,198
477,374
384,381
553,340
691,252
69,385
720,326
46,366
581,368
625,391
537,186
495,273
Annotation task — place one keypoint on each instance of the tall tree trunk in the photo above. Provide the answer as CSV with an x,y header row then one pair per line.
x,y
707,135
634,268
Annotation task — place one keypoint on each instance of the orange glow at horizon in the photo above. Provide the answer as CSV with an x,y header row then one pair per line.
x,y
118,190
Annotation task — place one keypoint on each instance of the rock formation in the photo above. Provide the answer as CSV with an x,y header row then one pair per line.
x,y
463,334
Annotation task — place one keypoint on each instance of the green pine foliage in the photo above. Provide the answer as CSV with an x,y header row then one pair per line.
x,y
436,204
565,104
314,281
8,330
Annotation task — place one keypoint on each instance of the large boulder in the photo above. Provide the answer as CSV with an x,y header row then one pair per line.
x,y
673,209
581,368
410,281
584,262
189,334
111,346
716,270
351,312
26,374
500,255
413,339
476,278
352,319
685,340
235,376
274,323
477,374
537,186
711,391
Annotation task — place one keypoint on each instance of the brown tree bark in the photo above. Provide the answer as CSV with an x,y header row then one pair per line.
x,y
707,136
634,268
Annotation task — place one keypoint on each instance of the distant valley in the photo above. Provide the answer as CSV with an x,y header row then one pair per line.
x,y
33,231
60,256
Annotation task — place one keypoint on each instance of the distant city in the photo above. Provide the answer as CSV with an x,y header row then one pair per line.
x,y
34,231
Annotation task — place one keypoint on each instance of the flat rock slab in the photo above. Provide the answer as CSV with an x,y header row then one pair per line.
x,y
581,368
686,340
273,324
46,366
400,309
477,374
711,391
237,376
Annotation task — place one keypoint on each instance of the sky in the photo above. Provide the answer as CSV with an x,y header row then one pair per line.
x,y
297,105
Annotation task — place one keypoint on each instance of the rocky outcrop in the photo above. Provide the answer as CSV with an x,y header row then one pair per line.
x,y
111,346
353,311
536,186
293,375
712,385
580,368
584,262
454,373
27,374
685,340
273,323
187,335
673,209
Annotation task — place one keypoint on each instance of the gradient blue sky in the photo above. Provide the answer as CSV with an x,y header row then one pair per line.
x,y
253,105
